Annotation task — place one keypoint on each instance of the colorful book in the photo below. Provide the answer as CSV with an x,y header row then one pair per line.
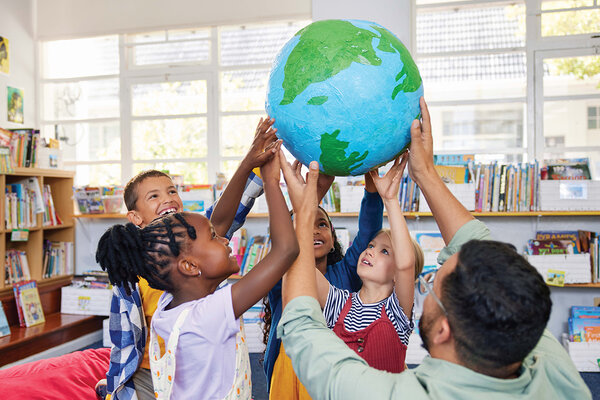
x,y
17,288
542,247
4,327
33,313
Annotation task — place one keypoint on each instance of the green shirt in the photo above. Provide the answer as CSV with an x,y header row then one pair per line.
x,y
331,370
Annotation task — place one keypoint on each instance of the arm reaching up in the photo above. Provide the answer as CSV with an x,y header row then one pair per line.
x,y
388,187
284,246
263,148
300,279
449,214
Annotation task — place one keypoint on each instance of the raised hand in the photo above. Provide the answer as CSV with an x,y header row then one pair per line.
x,y
263,147
421,146
388,185
270,170
303,193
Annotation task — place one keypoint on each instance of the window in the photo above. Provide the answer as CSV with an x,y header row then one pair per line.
x,y
593,118
504,92
182,100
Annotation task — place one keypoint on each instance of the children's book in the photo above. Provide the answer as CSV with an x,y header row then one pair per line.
x,y
4,328
17,289
33,313
541,247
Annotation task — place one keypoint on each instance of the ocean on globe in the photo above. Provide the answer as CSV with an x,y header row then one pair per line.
x,y
344,93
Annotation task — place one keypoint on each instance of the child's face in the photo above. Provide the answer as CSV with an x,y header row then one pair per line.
x,y
376,263
322,236
209,251
157,196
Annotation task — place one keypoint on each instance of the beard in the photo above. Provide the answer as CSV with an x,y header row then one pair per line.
x,y
424,328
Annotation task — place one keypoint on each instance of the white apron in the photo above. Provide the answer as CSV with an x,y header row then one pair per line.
x,y
163,368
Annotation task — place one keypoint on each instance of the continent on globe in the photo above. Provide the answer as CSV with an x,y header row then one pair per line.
x,y
352,78
333,155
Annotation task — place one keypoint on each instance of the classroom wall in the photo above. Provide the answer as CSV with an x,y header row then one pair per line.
x,y
16,24
68,18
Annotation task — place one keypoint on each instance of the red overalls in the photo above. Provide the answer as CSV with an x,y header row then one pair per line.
x,y
379,343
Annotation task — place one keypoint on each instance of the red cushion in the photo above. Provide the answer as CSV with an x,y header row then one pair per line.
x,y
72,376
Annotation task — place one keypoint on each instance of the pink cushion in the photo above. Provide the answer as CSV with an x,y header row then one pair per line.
x,y
72,376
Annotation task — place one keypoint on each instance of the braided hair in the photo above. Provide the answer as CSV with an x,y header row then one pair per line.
x,y
127,252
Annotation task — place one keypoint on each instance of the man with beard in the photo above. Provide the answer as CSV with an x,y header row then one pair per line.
x,y
483,320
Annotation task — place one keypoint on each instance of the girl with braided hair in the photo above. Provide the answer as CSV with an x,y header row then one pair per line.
x,y
181,254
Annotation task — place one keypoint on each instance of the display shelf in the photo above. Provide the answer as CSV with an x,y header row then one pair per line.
x,y
61,184
406,214
582,285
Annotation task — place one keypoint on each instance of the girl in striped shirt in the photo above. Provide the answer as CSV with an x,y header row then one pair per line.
x,y
376,321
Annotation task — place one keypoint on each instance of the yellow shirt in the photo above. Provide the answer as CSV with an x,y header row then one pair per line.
x,y
149,303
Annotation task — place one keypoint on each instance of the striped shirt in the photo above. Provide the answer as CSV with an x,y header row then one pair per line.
x,y
362,315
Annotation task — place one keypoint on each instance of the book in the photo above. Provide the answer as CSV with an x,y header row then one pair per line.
x,y
17,288
567,169
33,313
4,327
541,247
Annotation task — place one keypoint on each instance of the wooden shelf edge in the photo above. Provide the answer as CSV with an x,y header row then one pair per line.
x,y
100,216
50,173
474,213
61,226
581,285
62,280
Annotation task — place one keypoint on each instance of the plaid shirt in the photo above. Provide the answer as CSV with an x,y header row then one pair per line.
x,y
127,325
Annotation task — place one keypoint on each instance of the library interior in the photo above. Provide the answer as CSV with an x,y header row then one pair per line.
x,y
97,93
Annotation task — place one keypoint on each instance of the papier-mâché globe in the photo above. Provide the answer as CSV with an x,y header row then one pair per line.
x,y
344,93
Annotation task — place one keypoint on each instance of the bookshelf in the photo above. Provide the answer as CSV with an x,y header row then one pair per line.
x,y
61,184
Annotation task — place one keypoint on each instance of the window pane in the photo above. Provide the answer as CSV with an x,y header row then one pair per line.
x,y
562,4
592,111
592,124
193,172
568,119
474,77
570,22
228,167
237,133
572,76
481,126
169,98
471,29
81,100
169,138
98,175
80,57
255,44
87,141
244,90
171,53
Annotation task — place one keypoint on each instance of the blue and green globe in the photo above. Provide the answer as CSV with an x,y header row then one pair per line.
x,y
344,93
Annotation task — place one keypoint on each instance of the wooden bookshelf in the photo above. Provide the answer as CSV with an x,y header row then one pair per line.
x,y
61,184
581,285
476,214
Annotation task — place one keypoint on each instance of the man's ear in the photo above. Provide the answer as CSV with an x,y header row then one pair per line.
x,y
188,268
442,333
135,218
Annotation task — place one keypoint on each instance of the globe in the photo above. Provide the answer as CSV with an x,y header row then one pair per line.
x,y
344,93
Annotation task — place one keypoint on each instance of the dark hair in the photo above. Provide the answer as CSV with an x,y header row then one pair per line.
x,y
131,195
497,303
127,252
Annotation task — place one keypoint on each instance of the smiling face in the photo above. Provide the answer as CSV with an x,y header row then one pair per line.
x,y
156,196
322,235
209,251
376,264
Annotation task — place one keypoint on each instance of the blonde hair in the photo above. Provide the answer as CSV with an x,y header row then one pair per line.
x,y
419,256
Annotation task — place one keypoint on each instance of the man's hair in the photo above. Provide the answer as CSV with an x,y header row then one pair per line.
x,y
497,304
131,194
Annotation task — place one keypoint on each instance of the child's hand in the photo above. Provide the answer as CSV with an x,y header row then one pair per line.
x,y
262,148
270,170
303,193
388,186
